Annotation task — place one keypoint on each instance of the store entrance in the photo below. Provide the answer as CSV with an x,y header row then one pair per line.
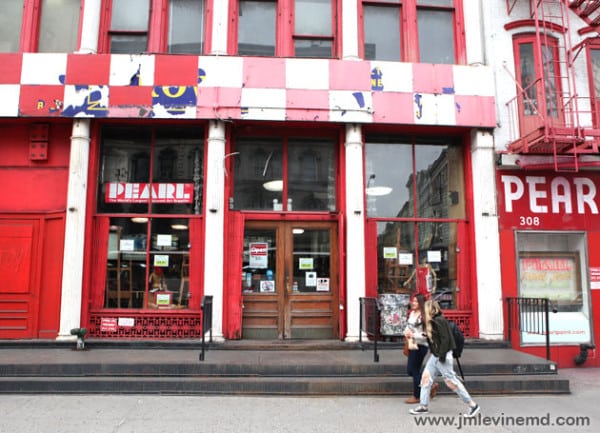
x,y
289,280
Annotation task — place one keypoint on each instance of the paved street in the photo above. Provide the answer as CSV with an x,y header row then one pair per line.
x,y
244,414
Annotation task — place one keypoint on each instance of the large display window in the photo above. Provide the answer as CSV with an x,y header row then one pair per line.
x,y
552,265
149,200
415,194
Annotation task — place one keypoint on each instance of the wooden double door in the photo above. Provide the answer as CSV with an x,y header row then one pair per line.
x,y
290,280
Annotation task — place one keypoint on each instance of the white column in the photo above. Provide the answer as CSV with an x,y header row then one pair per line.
x,y
350,33
355,230
72,274
214,223
487,241
474,36
90,26
220,27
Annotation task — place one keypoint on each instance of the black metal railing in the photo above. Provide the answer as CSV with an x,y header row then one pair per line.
x,y
529,315
206,306
369,323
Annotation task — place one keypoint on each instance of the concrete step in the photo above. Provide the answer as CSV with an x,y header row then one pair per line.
x,y
312,368
307,385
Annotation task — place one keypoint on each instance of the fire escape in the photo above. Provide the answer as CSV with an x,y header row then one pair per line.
x,y
558,123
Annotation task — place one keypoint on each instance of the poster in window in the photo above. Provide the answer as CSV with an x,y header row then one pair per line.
x,y
550,275
259,258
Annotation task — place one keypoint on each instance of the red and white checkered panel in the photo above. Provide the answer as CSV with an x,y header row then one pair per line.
x,y
209,87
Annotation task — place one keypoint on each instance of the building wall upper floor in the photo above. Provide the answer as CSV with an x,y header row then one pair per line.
x,y
360,61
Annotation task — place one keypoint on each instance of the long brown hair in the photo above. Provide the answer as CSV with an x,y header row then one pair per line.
x,y
432,309
421,301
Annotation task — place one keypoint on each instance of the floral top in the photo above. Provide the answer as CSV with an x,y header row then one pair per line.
x,y
415,324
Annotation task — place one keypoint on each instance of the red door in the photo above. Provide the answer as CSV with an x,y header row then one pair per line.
x,y
18,307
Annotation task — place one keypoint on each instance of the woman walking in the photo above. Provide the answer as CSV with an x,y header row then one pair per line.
x,y
440,363
416,341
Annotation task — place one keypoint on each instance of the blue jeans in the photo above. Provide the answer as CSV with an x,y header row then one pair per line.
x,y
436,368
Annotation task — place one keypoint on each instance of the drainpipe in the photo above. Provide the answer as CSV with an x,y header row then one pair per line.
x,y
72,274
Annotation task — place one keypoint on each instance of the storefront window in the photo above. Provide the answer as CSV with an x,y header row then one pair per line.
x,y
284,175
552,265
415,191
397,172
151,188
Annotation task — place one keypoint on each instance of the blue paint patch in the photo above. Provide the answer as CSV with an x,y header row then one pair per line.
x,y
419,104
458,107
135,79
243,111
201,75
360,98
376,79
448,90
62,78
91,106
175,99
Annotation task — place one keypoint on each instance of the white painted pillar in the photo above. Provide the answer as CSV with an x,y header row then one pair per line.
x,y
487,240
474,31
350,33
214,223
355,230
72,274
90,27
220,27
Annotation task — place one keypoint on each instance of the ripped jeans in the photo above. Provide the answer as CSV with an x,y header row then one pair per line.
x,y
436,368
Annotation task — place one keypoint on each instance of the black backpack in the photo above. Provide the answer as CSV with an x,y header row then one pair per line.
x,y
459,339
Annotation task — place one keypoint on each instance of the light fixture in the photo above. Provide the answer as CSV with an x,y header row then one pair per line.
x,y
139,219
297,231
375,191
378,190
274,185
179,226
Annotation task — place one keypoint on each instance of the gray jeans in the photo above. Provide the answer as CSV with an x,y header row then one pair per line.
x,y
446,370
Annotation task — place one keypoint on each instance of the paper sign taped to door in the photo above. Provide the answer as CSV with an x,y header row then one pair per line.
x,y
310,279
322,284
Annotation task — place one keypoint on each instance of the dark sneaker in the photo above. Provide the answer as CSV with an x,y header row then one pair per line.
x,y
419,410
472,411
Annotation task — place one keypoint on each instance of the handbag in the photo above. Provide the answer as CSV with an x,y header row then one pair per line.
x,y
406,348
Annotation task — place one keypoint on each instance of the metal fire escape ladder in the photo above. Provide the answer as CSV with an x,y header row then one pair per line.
x,y
563,134
559,132
588,11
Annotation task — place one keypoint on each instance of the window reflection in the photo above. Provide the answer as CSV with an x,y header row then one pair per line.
x,y
260,184
392,184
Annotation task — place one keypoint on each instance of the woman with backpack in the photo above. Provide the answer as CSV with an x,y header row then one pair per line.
x,y
440,363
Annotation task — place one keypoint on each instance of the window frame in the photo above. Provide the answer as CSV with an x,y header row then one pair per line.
x,y
158,27
409,36
31,23
285,33
102,219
